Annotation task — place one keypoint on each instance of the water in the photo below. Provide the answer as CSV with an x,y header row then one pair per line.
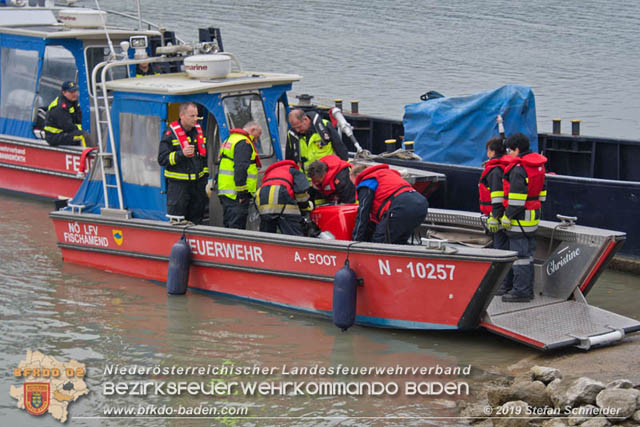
x,y
579,57
101,319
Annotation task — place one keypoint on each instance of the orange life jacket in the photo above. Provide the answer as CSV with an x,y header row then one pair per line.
x,y
484,192
279,174
390,185
335,165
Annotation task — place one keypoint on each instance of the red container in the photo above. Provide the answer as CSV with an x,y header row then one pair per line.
x,y
337,219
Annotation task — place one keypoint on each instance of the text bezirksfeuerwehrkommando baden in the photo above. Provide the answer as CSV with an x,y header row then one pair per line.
x,y
313,370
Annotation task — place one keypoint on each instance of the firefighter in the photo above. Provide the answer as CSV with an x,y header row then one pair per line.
x,y
183,153
238,174
282,198
311,138
63,123
145,69
330,177
524,189
389,208
491,192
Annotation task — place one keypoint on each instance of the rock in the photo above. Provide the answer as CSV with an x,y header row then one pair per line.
x,y
581,414
512,414
497,396
621,383
582,391
636,416
618,404
545,374
534,393
554,423
475,412
596,422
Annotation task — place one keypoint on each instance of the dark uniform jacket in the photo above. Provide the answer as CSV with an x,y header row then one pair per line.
x,y
177,166
292,150
61,122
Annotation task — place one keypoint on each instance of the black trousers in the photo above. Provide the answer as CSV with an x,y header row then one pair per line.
x,y
519,280
234,213
406,212
187,198
288,224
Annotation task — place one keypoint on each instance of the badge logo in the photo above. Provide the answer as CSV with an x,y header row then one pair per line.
x,y
118,236
36,398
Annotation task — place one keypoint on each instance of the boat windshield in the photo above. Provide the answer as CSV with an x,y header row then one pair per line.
x,y
240,109
97,54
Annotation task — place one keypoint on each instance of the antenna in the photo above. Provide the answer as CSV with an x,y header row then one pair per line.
x,y
104,25
139,15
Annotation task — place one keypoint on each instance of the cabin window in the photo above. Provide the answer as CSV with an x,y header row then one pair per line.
x,y
240,109
58,66
18,83
139,139
97,54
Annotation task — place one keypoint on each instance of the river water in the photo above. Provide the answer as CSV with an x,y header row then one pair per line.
x,y
580,57
103,319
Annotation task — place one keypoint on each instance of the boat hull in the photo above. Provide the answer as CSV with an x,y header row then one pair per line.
x,y
37,169
401,286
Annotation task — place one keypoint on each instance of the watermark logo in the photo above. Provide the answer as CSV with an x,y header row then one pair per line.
x,y
50,386
36,398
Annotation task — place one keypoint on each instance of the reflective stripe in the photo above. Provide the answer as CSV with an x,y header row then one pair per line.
x,y
79,126
518,196
183,176
497,194
252,176
543,195
302,197
172,158
225,172
205,170
52,129
278,208
497,199
230,192
241,188
523,261
516,202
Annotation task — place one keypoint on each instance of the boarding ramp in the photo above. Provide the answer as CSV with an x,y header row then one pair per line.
x,y
559,315
568,260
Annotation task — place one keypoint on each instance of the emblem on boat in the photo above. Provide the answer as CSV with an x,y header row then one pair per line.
x,y
36,397
118,236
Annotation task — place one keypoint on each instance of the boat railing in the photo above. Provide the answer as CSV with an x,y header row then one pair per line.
x,y
103,117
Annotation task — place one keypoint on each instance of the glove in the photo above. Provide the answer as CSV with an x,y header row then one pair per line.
x,y
243,196
506,222
209,187
493,224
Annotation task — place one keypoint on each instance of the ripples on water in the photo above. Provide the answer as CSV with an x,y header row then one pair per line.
x,y
580,57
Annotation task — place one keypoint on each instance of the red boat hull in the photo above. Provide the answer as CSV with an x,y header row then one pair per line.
x,y
38,169
403,287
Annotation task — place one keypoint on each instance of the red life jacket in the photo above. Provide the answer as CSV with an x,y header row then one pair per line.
x,y
182,137
484,192
533,164
390,185
279,174
336,165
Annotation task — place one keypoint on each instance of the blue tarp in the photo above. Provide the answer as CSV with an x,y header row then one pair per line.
x,y
455,130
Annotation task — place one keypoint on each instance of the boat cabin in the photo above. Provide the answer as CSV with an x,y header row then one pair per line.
x,y
38,53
